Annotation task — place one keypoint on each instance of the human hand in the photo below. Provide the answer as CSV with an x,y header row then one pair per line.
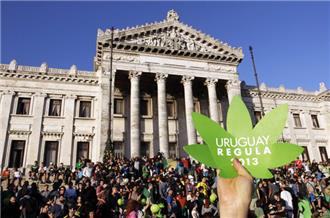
x,y
235,193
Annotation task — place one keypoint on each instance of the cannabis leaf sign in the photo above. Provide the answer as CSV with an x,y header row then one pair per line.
x,y
257,148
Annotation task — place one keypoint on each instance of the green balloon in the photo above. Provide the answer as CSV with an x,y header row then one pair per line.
x,y
213,197
120,202
161,205
154,208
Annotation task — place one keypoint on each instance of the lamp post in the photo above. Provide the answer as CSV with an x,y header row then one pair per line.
x,y
109,143
257,81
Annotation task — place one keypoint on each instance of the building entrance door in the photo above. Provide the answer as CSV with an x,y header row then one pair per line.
x,y
17,153
323,152
51,149
82,150
145,149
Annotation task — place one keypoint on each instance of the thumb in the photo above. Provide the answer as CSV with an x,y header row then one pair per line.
x,y
241,169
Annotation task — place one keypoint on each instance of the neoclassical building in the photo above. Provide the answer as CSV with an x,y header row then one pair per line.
x,y
161,73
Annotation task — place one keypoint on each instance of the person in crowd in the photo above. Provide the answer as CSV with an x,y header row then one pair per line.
x,y
132,209
11,209
209,210
112,187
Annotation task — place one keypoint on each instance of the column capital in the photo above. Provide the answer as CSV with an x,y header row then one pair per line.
x,y
187,79
134,74
210,81
234,83
160,76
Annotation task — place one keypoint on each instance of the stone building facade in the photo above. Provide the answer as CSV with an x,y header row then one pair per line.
x,y
161,73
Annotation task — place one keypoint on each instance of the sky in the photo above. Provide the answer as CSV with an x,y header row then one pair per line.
x,y
291,40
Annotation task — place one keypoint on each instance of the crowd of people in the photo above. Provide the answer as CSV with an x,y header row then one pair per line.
x,y
150,187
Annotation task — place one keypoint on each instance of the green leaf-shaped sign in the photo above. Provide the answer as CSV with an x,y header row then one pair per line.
x,y
257,148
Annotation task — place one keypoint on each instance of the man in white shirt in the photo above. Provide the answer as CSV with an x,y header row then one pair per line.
x,y
87,171
287,197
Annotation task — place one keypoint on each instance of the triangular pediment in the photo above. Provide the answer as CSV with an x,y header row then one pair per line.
x,y
171,37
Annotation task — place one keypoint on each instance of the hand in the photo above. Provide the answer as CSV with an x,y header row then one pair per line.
x,y
235,193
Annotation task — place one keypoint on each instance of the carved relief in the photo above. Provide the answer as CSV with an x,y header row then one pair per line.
x,y
173,39
134,75
172,15
160,76
210,82
187,79
222,68
124,58
235,83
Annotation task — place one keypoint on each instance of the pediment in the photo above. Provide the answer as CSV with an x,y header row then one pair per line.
x,y
171,37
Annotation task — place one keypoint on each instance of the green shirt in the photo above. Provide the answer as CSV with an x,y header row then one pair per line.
x,y
259,212
305,208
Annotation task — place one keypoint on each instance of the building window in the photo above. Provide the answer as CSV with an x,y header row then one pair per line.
x,y
118,149
257,116
297,121
85,108
118,106
82,150
323,153
172,150
315,121
16,153
305,155
55,107
170,109
145,107
145,149
23,106
51,151
197,107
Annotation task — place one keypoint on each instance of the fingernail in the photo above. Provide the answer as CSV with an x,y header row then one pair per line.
x,y
237,161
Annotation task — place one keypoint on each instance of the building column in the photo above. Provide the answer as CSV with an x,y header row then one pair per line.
x,y
213,100
6,101
306,116
189,107
66,155
233,88
135,113
34,144
162,113
324,122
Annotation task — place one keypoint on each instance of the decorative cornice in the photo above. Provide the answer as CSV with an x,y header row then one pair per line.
x,y
52,134
293,95
53,74
70,96
221,68
87,136
19,132
123,58
168,37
